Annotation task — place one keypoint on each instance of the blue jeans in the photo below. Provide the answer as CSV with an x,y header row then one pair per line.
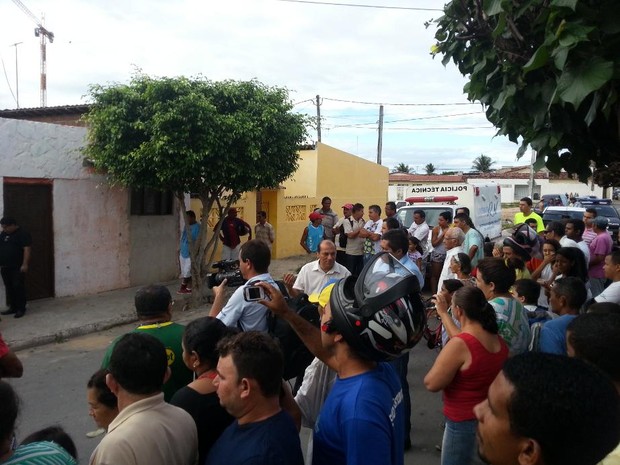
x,y
459,443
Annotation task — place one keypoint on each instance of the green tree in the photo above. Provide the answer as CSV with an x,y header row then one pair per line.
x,y
191,135
430,169
547,72
403,168
483,164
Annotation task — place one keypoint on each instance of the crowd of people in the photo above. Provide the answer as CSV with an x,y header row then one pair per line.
x,y
528,366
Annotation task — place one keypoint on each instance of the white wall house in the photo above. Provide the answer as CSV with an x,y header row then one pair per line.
x,y
88,236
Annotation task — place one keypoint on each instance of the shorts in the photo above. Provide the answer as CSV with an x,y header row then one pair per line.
x,y
186,266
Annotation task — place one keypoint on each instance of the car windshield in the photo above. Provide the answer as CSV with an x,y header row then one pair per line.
x,y
557,215
606,210
432,214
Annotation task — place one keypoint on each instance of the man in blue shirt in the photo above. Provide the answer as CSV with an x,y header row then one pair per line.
x,y
566,297
396,243
362,419
249,385
254,261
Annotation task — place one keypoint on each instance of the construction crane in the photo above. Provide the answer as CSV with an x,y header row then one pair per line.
x,y
43,34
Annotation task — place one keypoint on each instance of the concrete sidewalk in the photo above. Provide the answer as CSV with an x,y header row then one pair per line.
x,y
55,320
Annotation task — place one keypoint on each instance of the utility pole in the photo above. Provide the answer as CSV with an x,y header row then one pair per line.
x,y
533,160
16,74
380,139
318,117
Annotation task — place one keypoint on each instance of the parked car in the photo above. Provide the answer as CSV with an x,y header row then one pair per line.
x,y
563,213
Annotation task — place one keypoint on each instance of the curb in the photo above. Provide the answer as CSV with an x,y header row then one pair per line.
x,y
69,333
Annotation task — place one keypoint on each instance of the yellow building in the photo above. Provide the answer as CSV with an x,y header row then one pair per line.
x,y
323,171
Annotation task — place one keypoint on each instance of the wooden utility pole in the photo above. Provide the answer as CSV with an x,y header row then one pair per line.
x,y
380,139
318,117
532,182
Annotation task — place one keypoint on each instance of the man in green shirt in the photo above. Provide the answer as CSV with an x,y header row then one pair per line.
x,y
154,310
526,212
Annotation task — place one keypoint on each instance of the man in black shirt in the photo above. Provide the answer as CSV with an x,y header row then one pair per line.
x,y
14,259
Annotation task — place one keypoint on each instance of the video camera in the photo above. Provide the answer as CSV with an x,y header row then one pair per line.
x,y
228,269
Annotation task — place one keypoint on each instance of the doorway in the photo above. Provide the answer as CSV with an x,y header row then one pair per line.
x,y
29,201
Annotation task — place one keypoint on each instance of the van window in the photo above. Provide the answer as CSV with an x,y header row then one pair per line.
x,y
432,214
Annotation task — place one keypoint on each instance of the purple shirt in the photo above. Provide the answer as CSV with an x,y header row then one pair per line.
x,y
600,245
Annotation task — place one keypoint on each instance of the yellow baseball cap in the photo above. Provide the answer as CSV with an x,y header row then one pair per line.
x,y
322,298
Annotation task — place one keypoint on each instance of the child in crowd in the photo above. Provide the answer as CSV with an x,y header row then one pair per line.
x,y
527,292
415,251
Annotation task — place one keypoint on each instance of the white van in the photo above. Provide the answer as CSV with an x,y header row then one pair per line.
x,y
483,200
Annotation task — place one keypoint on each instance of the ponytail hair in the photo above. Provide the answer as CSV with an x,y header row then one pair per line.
x,y
475,306
498,272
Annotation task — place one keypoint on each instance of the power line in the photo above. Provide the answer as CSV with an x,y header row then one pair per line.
x,y
453,128
303,101
7,79
458,128
398,104
408,119
358,5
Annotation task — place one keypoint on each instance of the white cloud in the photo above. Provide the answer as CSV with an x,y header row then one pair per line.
x,y
357,54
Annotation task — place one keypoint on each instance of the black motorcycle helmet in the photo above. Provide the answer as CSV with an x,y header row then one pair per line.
x,y
380,315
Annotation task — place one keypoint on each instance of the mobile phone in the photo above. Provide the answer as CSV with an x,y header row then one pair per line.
x,y
254,293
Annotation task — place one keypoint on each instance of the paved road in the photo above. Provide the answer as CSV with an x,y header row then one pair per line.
x,y
53,392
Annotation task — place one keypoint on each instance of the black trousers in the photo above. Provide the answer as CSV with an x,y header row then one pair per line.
x,y
355,263
15,287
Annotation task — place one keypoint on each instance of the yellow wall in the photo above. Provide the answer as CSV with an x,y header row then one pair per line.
x,y
324,171
303,182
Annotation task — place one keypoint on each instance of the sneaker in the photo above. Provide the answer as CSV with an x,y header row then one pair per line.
x,y
184,290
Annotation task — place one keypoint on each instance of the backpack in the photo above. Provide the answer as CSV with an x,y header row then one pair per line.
x,y
297,357
241,228
342,239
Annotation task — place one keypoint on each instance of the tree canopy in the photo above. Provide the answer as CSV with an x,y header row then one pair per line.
x,y
547,72
192,135
430,168
483,163
403,168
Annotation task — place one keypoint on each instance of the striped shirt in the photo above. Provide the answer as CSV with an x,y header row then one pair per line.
x,y
40,453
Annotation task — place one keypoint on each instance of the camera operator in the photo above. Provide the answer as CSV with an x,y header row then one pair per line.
x,y
254,260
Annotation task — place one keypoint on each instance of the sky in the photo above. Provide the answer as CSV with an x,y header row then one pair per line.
x,y
354,58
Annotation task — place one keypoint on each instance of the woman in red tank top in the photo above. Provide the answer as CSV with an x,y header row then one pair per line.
x,y
464,370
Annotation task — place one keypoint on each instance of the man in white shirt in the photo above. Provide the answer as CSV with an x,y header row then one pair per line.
x,y
453,240
372,232
612,271
355,243
574,230
314,275
420,229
